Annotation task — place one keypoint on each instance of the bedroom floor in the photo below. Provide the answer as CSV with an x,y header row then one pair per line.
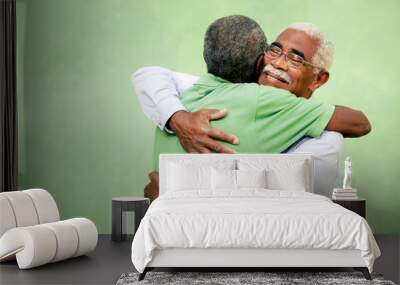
x,y
110,260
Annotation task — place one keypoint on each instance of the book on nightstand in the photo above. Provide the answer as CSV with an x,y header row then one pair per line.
x,y
344,194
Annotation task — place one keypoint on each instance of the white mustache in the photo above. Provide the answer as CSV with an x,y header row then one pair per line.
x,y
277,73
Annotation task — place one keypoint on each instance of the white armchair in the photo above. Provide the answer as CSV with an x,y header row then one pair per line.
x,y
31,230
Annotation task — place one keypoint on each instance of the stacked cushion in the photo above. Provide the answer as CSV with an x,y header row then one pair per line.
x,y
41,244
31,232
7,220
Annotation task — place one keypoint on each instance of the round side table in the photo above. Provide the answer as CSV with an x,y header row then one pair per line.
x,y
121,206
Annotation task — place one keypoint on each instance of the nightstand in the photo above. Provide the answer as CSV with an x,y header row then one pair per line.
x,y
358,206
121,206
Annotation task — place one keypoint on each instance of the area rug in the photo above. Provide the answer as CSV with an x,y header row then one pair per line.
x,y
243,278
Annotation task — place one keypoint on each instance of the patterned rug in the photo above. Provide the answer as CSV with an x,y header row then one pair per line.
x,y
243,278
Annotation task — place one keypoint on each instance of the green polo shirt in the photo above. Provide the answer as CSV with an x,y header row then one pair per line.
x,y
265,119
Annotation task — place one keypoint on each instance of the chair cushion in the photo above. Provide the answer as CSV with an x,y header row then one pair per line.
x,y
7,220
27,208
46,207
32,246
87,233
23,208
40,244
67,239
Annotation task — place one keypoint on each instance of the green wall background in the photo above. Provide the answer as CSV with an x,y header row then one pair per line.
x,y
83,137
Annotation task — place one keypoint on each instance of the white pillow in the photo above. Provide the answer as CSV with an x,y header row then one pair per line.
x,y
223,179
251,178
283,174
292,179
181,178
226,179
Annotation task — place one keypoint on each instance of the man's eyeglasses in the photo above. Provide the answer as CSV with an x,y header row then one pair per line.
x,y
294,60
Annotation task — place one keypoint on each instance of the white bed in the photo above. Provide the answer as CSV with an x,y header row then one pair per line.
x,y
202,220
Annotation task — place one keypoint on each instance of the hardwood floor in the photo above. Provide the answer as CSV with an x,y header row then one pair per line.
x,y
111,259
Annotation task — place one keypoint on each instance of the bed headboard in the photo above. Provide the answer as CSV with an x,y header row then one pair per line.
x,y
216,159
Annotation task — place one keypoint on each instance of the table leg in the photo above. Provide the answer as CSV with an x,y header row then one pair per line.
x,y
118,222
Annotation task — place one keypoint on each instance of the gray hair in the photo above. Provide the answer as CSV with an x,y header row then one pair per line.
x,y
232,46
323,57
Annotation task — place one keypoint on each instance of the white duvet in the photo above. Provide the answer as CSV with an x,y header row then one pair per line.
x,y
250,219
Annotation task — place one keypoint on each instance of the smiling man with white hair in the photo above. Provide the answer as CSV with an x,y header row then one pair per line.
x,y
298,61
323,57
287,55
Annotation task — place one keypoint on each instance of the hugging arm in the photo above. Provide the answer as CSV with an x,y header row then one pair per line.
x,y
159,90
349,122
